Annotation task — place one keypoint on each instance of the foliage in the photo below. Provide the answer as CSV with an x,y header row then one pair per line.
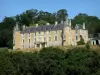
x,y
87,45
42,22
81,61
50,61
81,42
62,14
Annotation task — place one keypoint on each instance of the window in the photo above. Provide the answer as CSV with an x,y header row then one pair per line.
x,y
29,40
49,38
76,37
55,38
44,39
23,41
35,39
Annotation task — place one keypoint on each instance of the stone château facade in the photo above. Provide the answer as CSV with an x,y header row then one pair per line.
x,y
49,35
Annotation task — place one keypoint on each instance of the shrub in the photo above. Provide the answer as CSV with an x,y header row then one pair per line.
x,y
50,61
81,42
87,45
82,61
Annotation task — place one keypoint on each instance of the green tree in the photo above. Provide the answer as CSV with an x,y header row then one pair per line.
x,y
92,22
46,16
42,22
6,31
79,19
61,15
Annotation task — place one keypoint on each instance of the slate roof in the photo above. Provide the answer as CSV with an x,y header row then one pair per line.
x,y
79,26
95,36
43,28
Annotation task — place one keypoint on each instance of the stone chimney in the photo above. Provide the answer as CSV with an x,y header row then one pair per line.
x,y
83,25
16,27
66,21
56,22
70,22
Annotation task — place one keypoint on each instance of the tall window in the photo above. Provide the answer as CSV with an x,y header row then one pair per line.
x,y
44,39
49,38
29,40
55,38
23,41
35,39
76,37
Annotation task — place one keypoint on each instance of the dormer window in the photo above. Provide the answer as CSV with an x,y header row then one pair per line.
x,y
55,38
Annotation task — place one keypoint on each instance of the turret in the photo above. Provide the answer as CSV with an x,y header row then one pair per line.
x,y
16,28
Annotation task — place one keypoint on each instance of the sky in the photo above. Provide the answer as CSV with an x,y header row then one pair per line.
x,y
14,7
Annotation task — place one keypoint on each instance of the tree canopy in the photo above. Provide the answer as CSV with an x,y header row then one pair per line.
x,y
50,61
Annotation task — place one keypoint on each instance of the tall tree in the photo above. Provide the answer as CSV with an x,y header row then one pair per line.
x,y
46,16
62,14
